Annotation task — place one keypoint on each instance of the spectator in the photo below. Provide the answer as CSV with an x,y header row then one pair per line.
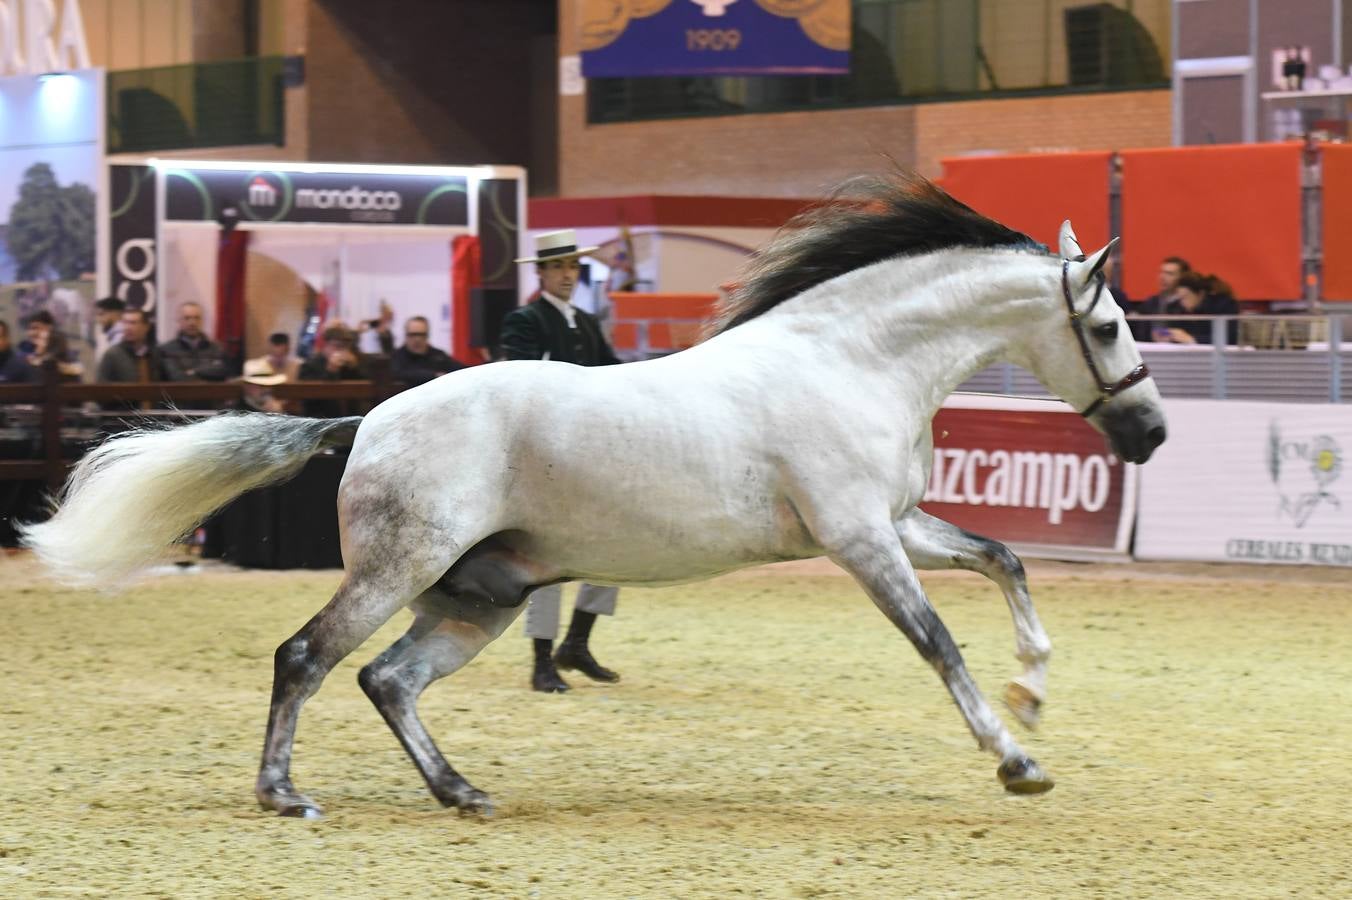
x,y
259,375
417,362
1172,268
338,361
278,359
375,335
108,316
192,356
134,360
46,342
14,369
1201,295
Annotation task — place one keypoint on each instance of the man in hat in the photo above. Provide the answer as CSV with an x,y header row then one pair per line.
x,y
338,361
550,327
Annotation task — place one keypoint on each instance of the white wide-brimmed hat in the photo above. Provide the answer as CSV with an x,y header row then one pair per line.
x,y
259,372
557,245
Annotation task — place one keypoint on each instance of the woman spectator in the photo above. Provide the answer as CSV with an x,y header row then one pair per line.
x,y
1199,295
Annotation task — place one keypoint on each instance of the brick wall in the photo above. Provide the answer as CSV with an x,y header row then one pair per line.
x,y
797,154
1114,121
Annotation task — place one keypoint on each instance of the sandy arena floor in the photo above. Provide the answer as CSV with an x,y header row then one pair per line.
x,y
773,736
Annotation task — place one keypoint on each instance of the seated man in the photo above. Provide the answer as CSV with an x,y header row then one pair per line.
x,y
14,369
108,324
338,361
192,356
135,360
417,362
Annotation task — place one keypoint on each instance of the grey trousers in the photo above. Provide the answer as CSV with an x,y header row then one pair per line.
x,y
542,610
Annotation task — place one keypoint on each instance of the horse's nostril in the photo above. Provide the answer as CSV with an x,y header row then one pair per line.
x,y
1156,436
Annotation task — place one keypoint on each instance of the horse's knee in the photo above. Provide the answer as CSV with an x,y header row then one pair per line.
x,y
995,557
381,684
292,661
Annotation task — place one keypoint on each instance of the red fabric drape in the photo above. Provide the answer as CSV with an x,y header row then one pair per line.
x,y
1036,193
1337,159
466,274
1232,210
231,262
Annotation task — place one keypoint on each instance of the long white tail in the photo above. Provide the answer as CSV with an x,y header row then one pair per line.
x,y
143,490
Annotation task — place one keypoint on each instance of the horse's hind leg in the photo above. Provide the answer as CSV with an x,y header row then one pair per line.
x,y
935,544
876,560
446,635
360,606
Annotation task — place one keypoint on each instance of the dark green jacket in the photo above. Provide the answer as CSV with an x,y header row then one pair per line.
x,y
537,329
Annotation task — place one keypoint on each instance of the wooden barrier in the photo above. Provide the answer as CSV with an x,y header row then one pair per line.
x,y
54,396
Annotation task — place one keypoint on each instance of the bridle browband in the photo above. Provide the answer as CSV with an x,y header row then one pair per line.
x,y
1106,391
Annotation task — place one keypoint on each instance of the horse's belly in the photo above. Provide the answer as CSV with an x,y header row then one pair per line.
x,y
646,544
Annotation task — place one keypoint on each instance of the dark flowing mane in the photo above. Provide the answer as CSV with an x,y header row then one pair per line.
x,y
864,221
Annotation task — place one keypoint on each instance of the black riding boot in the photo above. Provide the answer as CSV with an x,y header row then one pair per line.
x,y
546,678
573,652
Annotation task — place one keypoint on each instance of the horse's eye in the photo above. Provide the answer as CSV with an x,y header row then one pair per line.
x,y
1106,332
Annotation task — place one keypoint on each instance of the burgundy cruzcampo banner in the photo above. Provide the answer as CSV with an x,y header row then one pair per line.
x,y
1030,473
634,38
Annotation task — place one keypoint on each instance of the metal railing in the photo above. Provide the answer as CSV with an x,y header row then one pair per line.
x,y
921,50
219,104
1281,358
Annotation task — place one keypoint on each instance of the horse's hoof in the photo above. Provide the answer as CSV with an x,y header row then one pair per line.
x,y
301,811
480,806
1024,704
468,801
1021,775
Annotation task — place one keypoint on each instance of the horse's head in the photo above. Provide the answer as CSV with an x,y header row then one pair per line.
x,y
1084,352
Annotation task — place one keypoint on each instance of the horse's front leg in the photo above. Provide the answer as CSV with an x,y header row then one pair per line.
x,y
935,544
875,558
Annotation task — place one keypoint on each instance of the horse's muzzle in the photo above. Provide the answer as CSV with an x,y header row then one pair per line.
x,y
1134,431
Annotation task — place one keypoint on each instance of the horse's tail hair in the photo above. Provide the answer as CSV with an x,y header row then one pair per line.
x,y
143,490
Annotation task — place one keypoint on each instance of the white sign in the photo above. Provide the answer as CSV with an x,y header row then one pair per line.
x,y
1249,482
571,82
31,43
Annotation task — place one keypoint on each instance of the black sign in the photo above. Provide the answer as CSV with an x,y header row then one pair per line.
x,y
132,235
267,195
499,231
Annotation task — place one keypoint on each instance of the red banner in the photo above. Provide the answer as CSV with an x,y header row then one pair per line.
x,y
1030,473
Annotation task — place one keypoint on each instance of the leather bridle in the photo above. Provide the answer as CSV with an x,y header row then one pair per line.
x,y
1106,391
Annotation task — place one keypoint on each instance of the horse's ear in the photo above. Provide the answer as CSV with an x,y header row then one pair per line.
x,y
1070,245
1083,270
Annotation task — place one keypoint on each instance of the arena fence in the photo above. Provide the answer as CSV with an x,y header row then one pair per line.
x,y
65,418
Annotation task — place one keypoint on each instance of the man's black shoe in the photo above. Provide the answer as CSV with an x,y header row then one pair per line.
x,y
546,679
580,659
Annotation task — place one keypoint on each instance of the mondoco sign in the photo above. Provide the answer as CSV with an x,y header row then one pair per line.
x,y
1056,482
30,44
352,198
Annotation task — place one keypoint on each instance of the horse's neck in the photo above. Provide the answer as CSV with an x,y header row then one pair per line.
x,y
928,322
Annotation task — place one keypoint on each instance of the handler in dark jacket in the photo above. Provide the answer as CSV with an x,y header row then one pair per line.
x,y
552,328
192,356
417,362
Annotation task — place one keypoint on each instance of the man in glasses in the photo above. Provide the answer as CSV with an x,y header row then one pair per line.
x,y
418,362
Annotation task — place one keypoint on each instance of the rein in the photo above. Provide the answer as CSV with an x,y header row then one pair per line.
x,y
1106,391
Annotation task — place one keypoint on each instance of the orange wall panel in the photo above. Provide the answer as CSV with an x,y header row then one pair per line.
x,y
1229,210
1036,193
1337,165
662,306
